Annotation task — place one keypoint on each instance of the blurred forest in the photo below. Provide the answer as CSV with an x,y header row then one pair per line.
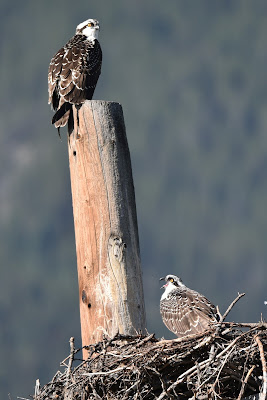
x,y
191,77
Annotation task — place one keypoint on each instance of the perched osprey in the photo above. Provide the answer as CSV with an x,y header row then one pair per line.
x,y
184,311
73,73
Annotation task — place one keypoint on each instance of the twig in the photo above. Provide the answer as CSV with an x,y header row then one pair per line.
x,y
245,382
262,395
245,324
103,373
231,306
217,372
145,340
72,350
222,318
163,384
96,396
37,388
22,398
130,389
191,371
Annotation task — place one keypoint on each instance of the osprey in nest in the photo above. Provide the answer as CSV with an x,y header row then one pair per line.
x,y
73,73
184,311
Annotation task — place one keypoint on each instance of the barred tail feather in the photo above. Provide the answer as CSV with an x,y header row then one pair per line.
x,y
63,116
59,117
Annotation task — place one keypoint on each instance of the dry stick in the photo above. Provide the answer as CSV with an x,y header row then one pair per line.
x,y
104,373
94,392
221,324
218,373
245,324
245,382
222,366
72,351
130,389
163,384
145,340
22,398
191,371
262,395
37,388
222,318
231,306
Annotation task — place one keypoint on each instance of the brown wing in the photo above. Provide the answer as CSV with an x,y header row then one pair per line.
x,y
74,71
186,312
54,72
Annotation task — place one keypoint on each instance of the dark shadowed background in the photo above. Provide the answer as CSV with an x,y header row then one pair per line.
x,y
191,77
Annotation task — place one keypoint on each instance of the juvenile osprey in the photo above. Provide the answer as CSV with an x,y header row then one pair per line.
x,y
73,73
184,311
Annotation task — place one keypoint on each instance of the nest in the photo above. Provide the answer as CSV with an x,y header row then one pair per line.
x,y
227,362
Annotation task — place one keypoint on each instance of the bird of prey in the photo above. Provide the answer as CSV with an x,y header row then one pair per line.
x,y
184,311
73,73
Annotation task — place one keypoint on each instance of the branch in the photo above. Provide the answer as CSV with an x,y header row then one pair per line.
x,y
231,306
163,384
245,324
245,382
72,351
193,370
222,318
37,388
264,370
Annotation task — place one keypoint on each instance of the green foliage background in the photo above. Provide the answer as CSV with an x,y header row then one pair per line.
x,y
191,76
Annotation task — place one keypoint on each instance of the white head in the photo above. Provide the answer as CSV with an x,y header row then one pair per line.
x,y
172,282
89,28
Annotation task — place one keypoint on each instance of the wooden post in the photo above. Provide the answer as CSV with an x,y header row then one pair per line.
x,y
106,233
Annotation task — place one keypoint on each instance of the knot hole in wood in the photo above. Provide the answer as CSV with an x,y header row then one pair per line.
x,y
116,248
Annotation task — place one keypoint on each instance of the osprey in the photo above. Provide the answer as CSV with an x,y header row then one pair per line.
x,y
184,311
73,73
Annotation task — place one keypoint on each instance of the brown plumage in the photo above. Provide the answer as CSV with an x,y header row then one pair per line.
x,y
184,311
73,73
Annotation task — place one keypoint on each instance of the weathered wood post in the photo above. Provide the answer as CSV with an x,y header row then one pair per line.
x,y
106,233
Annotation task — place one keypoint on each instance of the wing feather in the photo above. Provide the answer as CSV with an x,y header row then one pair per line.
x,y
186,312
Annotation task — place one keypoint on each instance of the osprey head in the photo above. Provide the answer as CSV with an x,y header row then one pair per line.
x,y
89,28
172,282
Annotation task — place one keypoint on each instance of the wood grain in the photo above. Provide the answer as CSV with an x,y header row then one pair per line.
x,y
106,233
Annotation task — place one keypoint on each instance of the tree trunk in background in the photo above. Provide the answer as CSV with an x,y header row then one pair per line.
x,y
106,233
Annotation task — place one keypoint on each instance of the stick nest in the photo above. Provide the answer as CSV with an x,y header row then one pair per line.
x,y
227,363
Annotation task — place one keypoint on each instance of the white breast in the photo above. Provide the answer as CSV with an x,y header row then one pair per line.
x,y
168,289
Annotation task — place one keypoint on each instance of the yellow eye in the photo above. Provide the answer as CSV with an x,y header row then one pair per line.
x,y
90,24
171,280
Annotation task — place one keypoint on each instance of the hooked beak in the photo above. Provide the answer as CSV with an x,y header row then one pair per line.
x,y
163,279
